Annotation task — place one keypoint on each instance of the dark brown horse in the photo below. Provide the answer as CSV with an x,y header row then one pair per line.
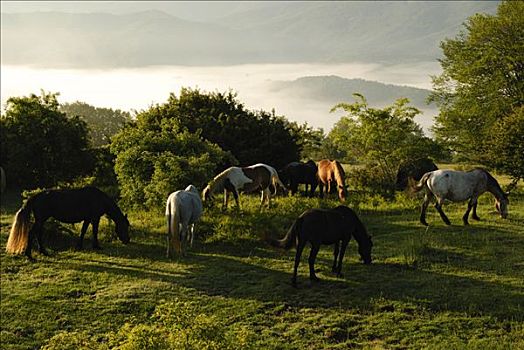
x,y
331,173
85,204
296,173
321,226
413,169
258,177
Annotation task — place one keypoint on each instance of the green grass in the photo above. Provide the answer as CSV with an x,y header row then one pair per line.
x,y
443,287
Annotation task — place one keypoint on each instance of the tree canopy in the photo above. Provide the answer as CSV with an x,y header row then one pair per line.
x,y
102,122
381,139
252,137
482,80
40,146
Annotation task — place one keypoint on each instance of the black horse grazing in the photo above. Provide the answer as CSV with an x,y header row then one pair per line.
x,y
322,226
296,173
413,169
86,204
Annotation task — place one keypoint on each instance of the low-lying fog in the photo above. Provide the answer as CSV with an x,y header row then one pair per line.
x,y
137,89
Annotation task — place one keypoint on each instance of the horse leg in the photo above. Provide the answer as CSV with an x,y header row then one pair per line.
x,y
466,214
321,189
183,237
438,205
39,236
83,231
343,247
30,239
235,195
94,225
335,256
474,215
311,260
427,199
298,254
191,234
226,199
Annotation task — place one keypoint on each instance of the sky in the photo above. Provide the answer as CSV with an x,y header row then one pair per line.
x,y
137,88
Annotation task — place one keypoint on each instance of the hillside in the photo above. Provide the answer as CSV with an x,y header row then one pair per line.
x,y
274,33
334,89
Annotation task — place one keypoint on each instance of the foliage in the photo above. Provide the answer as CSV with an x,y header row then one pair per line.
x,y
482,80
506,145
40,146
102,122
252,137
156,156
381,139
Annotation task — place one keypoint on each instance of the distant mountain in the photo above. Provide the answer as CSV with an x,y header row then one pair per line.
x,y
332,90
272,32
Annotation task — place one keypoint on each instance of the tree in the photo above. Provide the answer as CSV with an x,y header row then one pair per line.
x,y
102,122
381,139
156,156
40,146
252,137
482,80
506,145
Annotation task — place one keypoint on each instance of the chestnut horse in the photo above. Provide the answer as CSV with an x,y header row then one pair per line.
x,y
258,177
329,173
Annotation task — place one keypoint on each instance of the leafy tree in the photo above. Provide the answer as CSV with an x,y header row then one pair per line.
x,y
482,80
506,146
156,156
40,146
381,138
102,122
251,137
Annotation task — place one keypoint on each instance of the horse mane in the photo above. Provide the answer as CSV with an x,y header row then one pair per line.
x,y
492,182
218,182
339,172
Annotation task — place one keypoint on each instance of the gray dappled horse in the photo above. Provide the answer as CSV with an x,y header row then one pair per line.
x,y
458,186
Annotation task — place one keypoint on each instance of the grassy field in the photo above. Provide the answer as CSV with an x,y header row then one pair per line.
x,y
441,287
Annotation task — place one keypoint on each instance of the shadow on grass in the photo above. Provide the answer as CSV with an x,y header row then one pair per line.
x,y
232,277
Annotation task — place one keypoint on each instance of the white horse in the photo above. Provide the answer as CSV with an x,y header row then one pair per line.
x,y
458,186
256,177
183,209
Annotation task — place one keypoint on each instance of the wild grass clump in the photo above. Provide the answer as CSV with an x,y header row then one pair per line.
x,y
174,325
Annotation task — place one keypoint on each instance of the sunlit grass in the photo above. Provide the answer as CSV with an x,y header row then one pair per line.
x,y
440,287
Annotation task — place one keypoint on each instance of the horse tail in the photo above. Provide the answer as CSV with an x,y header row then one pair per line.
x,y
275,180
19,234
291,237
422,183
173,225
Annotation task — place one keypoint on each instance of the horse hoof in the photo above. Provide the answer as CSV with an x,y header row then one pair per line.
x,y
424,223
476,218
448,223
315,279
44,252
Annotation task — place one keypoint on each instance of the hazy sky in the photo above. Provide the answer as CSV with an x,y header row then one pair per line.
x,y
139,87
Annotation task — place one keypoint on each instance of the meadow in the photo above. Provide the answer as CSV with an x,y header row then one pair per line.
x,y
439,287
